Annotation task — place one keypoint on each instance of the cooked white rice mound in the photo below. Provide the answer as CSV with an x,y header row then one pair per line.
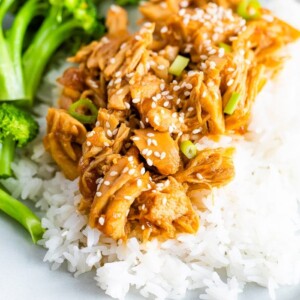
x,y
247,234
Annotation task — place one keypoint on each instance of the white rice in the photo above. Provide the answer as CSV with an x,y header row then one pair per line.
x,y
249,234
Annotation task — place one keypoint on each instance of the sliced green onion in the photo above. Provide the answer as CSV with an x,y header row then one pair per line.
x,y
178,65
188,149
87,105
232,103
226,47
249,9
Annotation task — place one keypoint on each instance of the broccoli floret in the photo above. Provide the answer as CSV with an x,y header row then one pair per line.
x,y
17,129
127,2
23,62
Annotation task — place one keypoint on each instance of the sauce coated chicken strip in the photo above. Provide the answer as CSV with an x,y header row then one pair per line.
x,y
158,149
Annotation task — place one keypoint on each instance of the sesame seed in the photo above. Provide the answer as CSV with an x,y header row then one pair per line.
x,y
176,88
143,171
163,155
113,173
191,73
149,162
154,142
158,96
119,80
97,124
88,143
161,67
129,198
203,57
204,94
165,93
139,183
166,103
127,105
143,227
105,40
164,29
150,134
135,138
212,64
210,84
190,109
112,60
98,194
118,74
109,133
196,131
129,75
199,176
178,101
230,82
187,93
188,86
125,170
157,154
145,151
164,201
174,115
106,144
106,182
130,158
90,134
149,142
119,92
149,153
131,171
162,86
101,221
136,100
169,97
230,70
123,46
138,37
153,105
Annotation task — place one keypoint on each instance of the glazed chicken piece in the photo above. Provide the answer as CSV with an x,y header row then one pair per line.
x,y
63,141
158,149
168,210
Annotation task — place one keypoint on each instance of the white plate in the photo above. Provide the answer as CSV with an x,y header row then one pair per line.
x,y
23,275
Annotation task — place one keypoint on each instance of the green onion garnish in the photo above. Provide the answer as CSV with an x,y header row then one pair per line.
x,y
226,47
249,9
232,103
86,105
178,65
188,149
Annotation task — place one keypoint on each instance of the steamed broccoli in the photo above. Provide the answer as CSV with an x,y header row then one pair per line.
x,y
23,61
17,129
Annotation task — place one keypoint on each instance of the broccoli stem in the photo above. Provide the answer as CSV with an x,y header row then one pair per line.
x,y
22,214
7,153
47,41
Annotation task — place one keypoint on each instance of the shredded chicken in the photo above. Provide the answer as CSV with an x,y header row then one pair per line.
x,y
134,179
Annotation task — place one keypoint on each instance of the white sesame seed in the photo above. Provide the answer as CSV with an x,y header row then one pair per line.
x,y
119,92
130,158
156,120
166,103
138,37
187,93
97,124
210,84
150,134
109,133
153,105
199,176
161,67
230,82
149,153
90,134
178,101
125,170
105,40
163,155
143,227
164,29
139,183
196,131
129,198
88,143
118,74
136,100
188,86
145,151
230,70
203,57
135,138
112,60
164,201
204,94
127,105
106,144
190,109
129,75
119,80
149,162
154,142
162,86
98,194
113,173
157,154
176,88
165,93
149,142
106,182
101,221
191,73
174,115
143,171
131,171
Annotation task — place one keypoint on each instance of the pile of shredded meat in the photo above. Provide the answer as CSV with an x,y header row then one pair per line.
x,y
134,180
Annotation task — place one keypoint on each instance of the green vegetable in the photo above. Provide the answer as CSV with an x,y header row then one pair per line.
x,y
188,149
25,54
226,47
85,105
17,129
232,103
127,2
22,214
178,65
249,9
